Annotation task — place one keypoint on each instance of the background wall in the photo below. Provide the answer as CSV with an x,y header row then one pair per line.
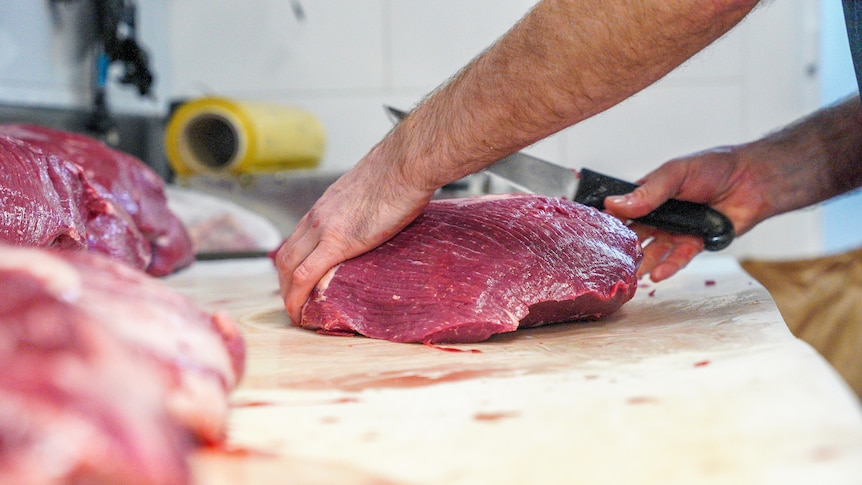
x,y
347,59
46,55
343,60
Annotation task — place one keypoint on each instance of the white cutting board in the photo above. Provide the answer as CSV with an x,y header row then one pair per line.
x,y
696,380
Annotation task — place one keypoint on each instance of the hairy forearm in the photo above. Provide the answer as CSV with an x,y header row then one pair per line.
x,y
565,61
814,159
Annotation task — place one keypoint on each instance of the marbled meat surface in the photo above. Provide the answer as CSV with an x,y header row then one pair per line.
x,y
470,268
108,375
65,190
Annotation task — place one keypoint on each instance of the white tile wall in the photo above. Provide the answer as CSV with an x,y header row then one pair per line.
x,y
37,68
261,49
46,59
658,124
431,41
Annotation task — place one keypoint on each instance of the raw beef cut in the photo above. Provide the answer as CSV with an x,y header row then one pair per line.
x,y
108,375
61,189
469,268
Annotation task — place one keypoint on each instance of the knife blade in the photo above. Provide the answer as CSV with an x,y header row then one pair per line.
x,y
531,174
222,255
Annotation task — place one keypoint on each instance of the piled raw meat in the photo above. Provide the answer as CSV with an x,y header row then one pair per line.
x,y
107,375
470,268
65,190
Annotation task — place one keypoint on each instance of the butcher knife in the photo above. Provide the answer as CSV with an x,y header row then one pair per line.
x,y
590,188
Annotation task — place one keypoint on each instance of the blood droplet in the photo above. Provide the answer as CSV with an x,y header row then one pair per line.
x,y
494,416
251,404
452,349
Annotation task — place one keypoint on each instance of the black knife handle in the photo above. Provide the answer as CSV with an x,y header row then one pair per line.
x,y
675,216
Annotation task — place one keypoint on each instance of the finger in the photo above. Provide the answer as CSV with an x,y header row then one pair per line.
x,y
644,233
290,257
677,258
654,253
307,274
627,206
637,203
302,227
291,252
654,190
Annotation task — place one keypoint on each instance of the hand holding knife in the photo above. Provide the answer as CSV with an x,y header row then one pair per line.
x,y
590,188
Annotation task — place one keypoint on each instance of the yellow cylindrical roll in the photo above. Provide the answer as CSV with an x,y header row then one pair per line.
x,y
220,135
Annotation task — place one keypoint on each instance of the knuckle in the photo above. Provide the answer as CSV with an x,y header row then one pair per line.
x,y
302,274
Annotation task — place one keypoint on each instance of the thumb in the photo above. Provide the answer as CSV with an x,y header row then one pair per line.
x,y
637,203
656,189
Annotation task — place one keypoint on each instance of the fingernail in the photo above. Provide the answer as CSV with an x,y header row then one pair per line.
x,y
620,200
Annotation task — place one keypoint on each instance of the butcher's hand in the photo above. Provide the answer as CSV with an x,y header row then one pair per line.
x,y
721,178
361,210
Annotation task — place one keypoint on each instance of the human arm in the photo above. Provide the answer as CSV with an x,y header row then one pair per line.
x,y
812,160
564,62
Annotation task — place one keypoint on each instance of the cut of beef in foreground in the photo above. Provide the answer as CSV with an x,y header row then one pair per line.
x,y
67,190
469,268
108,375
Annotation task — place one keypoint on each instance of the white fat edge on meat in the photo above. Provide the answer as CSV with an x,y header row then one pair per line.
x,y
321,287
60,278
323,284
485,299
515,321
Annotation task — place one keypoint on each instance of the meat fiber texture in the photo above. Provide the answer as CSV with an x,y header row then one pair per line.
x,y
108,375
65,190
470,268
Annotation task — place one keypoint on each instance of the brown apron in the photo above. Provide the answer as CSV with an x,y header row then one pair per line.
x,y
821,301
